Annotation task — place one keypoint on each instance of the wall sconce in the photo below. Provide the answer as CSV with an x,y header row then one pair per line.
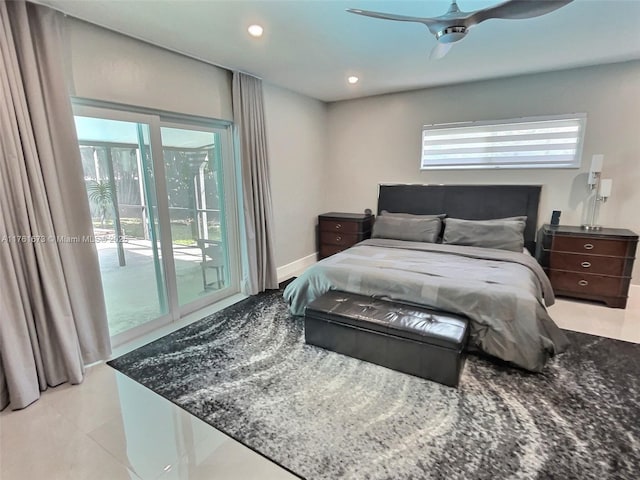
x,y
603,189
595,171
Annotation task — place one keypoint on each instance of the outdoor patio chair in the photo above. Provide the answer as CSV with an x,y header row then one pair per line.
x,y
212,257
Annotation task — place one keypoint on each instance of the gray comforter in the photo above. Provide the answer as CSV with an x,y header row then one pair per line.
x,y
502,293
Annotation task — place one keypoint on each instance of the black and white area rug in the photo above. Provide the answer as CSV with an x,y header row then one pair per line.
x,y
247,371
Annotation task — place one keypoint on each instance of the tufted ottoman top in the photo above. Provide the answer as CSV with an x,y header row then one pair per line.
x,y
413,322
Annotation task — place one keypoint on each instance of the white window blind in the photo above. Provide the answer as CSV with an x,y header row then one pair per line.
x,y
535,142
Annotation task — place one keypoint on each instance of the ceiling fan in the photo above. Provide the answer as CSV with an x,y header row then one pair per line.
x,y
454,25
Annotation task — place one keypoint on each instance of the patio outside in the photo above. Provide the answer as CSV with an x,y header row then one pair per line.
x,y
131,293
121,186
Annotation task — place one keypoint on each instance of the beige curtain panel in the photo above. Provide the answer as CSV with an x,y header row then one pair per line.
x,y
52,314
248,114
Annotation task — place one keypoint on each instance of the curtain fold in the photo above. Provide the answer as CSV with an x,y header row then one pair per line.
x,y
52,312
248,113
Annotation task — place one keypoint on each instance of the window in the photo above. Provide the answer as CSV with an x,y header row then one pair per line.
x,y
534,142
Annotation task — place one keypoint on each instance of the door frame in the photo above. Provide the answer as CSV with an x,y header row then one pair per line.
x,y
229,186
156,120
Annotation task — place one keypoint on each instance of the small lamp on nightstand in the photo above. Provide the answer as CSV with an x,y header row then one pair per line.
x,y
594,183
602,195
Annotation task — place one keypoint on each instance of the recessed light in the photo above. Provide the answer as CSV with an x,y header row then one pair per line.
x,y
353,79
255,30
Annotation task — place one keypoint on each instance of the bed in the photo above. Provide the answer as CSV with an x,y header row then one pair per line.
x,y
472,267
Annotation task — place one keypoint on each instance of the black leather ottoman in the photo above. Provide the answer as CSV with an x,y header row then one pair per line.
x,y
414,340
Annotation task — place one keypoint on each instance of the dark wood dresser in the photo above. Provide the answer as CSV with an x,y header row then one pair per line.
x,y
339,231
591,265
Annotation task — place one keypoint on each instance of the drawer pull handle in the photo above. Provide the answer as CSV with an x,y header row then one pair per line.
x,y
586,264
583,283
338,238
588,246
339,226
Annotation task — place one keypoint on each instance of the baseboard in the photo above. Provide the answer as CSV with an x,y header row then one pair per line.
x,y
294,269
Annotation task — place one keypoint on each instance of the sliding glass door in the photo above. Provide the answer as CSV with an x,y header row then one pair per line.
x,y
193,160
119,179
162,197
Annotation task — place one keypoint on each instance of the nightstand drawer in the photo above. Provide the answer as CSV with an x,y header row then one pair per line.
x,y
591,265
592,246
333,238
594,264
340,226
328,250
338,231
582,283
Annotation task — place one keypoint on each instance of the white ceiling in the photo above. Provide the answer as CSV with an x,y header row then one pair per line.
x,y
311,46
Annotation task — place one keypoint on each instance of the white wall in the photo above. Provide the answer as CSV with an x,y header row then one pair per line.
x,y
377,139
297,139
115,68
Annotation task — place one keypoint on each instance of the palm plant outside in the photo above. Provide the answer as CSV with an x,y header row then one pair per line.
x,y
101,194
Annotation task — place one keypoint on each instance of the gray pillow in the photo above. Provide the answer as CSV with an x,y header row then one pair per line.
x,y
411,215
504,234
404,228
522,218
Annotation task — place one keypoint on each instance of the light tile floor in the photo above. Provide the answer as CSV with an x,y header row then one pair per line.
x,y
587,317
111,427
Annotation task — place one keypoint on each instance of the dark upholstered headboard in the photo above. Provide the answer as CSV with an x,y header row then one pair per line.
x,y
470,202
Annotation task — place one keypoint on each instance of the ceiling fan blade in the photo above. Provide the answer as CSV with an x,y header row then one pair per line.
x,y
516,9
440,50
391,16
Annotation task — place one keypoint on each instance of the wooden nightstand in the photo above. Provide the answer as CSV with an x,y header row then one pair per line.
x,y
592,265
339,231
